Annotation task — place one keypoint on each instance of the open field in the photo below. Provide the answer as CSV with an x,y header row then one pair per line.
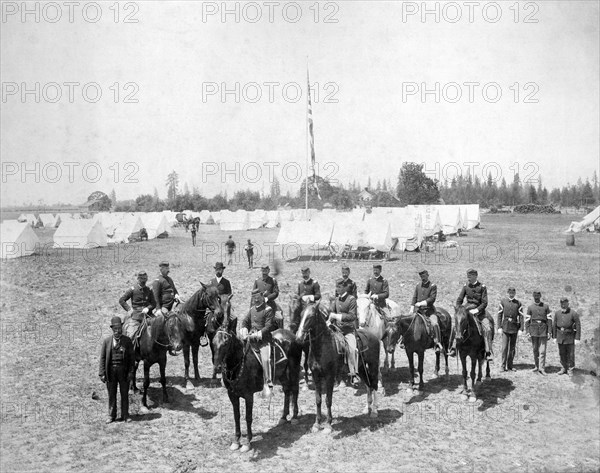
x,y
56,308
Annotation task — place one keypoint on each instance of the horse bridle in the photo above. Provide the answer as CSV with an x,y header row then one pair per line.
x,y
231,380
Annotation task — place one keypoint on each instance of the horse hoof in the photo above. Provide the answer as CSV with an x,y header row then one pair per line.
x,y
464,397
305,388
409,390
315,428
144,410
294,421
189,386
327,430
245,448
472,399
282,421
365,411
416,391
234,446
435,376
374,414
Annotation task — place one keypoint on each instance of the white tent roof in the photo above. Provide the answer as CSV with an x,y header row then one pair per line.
x,y
589,222
450,217
257,219
430,218
127,227
31,219
155,224
234,221
473,216
82,233
17,239
273,219
48,220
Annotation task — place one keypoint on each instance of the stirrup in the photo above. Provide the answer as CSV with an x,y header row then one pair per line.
x,y
204,341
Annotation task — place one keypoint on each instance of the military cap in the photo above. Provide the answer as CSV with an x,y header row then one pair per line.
x,y
305,269
265,266
141,273
471,271
537,292
377,265
423,271
116,321
345,266
342,282
564,299
219,265
163,263
512,288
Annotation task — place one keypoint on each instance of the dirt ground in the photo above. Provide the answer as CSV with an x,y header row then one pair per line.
x,y
56,309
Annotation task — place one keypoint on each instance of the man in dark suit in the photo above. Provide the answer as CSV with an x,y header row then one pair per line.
x,y
539,329
222,284
116,369
510,321
566,331
165,292
343,315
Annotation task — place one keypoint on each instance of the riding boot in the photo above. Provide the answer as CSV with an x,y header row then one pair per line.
x,y
436,339
265,357
352,356
401,341
452,351
488,346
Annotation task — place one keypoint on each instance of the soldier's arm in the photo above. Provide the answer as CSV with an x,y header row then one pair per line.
x,y
175,291
520,316
246,322
151,301
130,358
432,295
300,289
350,316
228,288
101,367
156,292
368,289
275,291
528,319
577,326
553,329
550,319
354,289
484,299
124,298
461,296
414,299
317,291
385,290
499,315
269,319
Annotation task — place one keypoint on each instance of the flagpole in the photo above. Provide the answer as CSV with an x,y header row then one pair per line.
x,y
306,144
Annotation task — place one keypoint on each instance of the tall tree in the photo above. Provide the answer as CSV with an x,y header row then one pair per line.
x,y
172,184
275,190
414,187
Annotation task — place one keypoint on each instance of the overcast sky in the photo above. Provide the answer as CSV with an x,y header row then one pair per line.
x,y
367,62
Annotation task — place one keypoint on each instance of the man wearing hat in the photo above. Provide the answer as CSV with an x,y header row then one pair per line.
x,y
249,249
116,369
346,276
308,288
142,303
257,327
422,302
165,292
222,284
510,321
378,289
477,301
538,325
343,315
230,245
567,332
267,286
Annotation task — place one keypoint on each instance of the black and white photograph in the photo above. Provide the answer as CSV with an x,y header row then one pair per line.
x,y
300,236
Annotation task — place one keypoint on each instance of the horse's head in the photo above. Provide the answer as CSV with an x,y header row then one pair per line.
x,y
212,300
461,320
391,335
175,329
222,342
310,319
364,307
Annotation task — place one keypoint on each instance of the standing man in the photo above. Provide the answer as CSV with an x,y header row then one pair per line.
x,y
223,285
346,276
308,288
567,332
510,321
165,292
257,327
378,289
539,328
477,301
116,369
193,230
230,244
249,249
343,315
268,288
142,303
422,302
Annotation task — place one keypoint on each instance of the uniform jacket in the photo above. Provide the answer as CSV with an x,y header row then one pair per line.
x,y
510,318
379,286
425,292
347,307
260,319
309,288
224,287
141,298
106,356
269,286
567,327
230,244
538,324
164,291
476,295
353,290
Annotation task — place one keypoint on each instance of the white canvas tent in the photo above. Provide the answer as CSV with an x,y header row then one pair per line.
x,y
17,239
257,219
590,222
450,217
82,233
473,216
235,221
273,219
128,227
22,218
31,219
156,225
430,218
48,220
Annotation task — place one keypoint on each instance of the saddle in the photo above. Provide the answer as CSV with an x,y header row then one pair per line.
x,y
277,352
145,324
428,326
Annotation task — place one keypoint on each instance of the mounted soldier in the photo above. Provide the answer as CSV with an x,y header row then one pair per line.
x,y
378,290
268,288
346,276
142,304
165,292
477,301
309,289
257,327
343,316
423,303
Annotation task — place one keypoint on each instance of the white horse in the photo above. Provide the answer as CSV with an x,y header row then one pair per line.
x,y
371,319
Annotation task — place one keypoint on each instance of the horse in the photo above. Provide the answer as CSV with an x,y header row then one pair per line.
x,y
416,340
469,342
243,375
193,314
295,313
373,321
165,333
326,363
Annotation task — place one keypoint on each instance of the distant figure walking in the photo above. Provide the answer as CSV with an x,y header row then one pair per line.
x,y
193,230
230,244
249,248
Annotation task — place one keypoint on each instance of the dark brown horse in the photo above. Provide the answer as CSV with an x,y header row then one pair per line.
x,y
193,315
469,342
295,313
243,374
326,363
164,334
417,339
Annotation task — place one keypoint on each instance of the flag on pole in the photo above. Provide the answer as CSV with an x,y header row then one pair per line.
x,y
311,136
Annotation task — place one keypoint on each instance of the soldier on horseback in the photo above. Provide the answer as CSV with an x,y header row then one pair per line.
x,y
343,316
165,292
477,300
346,276
268,288
308,288
422,303
378,290
257,327
142,303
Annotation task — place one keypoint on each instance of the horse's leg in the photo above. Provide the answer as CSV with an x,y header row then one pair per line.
x,y
446,359
472,396
421,356
146,383
235,402
295,401
162,365
393,366
487,370
249,405
212,351
318,399
133,386
437,364
286,405
411,370
367,408
186,361
463,362
329,390
305,387
195,348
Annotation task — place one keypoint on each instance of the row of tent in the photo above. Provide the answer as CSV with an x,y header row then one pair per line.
x,y
383,228
590,223
242,220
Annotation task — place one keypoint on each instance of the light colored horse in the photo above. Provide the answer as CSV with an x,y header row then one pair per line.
x,y
371,320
